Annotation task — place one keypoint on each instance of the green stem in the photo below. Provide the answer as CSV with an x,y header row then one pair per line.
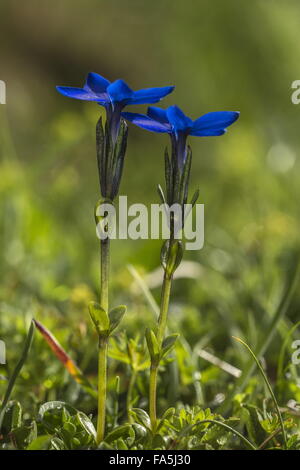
x,y
152,396
103,342
102,381
105,261
129,392
164,308
162,324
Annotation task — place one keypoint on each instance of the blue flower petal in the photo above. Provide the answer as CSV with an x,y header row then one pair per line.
x,y
145,122
96,83
119,92
150,95
178,119
207,132
158,114
217,120
79,94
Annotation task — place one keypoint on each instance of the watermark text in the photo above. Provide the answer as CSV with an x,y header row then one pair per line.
x,y
138,222
2,92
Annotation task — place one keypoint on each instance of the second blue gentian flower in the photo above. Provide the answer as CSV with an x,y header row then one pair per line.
x,y
114,96
174,122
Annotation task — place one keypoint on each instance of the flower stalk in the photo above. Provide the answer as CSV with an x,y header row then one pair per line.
x,y
163,345
111,143
174,122
105,267
111,148
102,385
161,329
103,341
177,181
152,396
164,308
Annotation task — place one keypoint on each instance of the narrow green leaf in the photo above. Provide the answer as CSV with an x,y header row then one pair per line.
x,y
161,194
165,418
56,405
119,432
119,156
195,197
168,176
121,445
108,159
87,424
176,177
103,219
184,182
152,344
100,149
141,417
168,413
169,343
171,256
40,443
139,430
12,417
99,317
115,316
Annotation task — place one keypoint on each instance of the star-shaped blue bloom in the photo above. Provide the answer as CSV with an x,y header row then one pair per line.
x,y
174,122
113,96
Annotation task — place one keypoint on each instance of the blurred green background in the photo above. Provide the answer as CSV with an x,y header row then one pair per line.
x,y
221,55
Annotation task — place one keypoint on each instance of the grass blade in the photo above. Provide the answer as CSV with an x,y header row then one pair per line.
x,y
291,285
279,314
17,370
65,359
269,388
145,289
224,425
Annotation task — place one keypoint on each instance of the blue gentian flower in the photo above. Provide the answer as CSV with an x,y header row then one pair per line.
x,y
174,122
113,96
